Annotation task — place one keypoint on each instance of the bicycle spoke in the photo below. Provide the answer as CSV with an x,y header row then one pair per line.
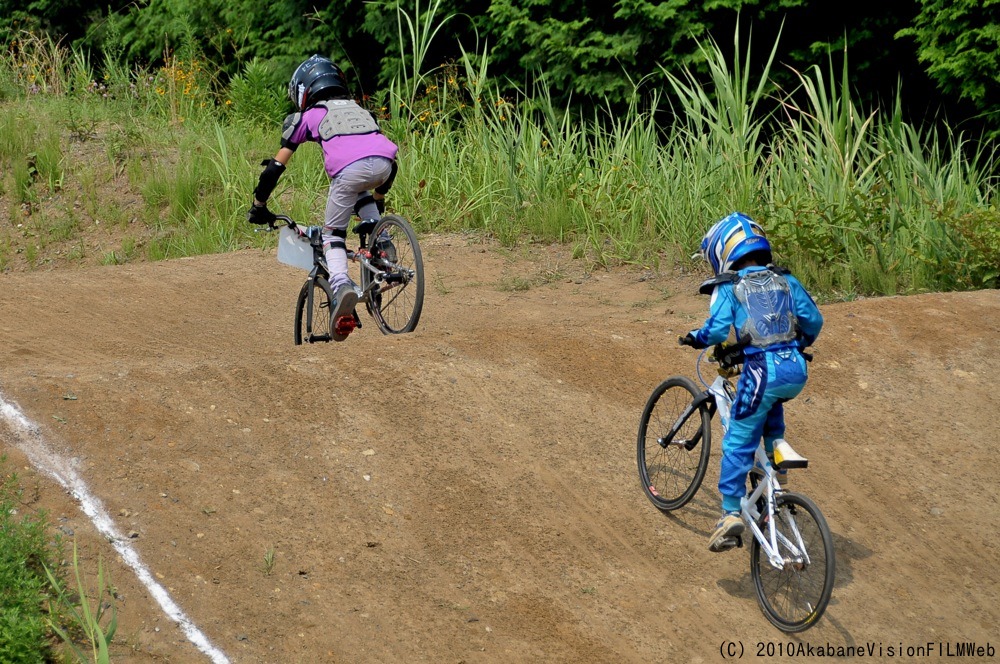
x,y
794,594
671,461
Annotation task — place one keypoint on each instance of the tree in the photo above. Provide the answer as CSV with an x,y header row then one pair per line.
x,y
959,43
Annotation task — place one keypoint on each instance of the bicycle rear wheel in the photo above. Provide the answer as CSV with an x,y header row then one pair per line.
x,y
795,596
397,305
312,318
672,466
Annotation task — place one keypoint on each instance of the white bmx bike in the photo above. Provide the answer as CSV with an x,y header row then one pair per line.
x,y
791,554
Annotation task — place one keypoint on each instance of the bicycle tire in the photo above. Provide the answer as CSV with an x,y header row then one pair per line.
x,y
795,597
314,326
671,472
397,309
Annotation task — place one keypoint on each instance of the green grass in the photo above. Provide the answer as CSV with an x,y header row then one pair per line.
x,y
35,605
24,556
856,201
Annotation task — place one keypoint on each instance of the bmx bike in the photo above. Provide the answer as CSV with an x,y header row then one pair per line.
x,y
391,278
792,559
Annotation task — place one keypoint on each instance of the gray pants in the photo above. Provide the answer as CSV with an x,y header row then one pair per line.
x,y
350,184
346,188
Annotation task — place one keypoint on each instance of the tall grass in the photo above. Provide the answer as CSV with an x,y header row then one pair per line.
x,y
856,200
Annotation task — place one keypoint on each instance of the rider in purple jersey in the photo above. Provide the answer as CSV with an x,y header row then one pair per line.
x,y
359,159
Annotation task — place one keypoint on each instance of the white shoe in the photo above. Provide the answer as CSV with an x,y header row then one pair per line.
x,y
727,532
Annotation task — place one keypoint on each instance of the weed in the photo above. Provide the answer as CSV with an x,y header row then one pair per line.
x,y
24,556
440,286
85,618
515,284
114,258
267,564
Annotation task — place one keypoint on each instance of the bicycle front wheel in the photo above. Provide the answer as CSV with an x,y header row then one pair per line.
x,y
794,595
397,305
313,314
674,443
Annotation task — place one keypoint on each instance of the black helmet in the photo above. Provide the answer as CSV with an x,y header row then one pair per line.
x,y
314,80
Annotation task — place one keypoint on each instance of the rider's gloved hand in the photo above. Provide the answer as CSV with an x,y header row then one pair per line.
x,y
728,355
259,214
689,340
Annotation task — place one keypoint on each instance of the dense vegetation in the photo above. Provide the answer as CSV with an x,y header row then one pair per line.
x,y
859,198
945,52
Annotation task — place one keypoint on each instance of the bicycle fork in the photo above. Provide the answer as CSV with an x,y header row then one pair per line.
x,y
702,400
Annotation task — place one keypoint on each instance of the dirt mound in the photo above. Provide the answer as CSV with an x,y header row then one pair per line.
x,y
468,492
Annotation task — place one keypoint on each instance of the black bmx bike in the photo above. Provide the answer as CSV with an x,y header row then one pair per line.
x,y
391,278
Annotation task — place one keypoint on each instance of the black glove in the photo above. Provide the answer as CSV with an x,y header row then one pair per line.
x,y
689,340
259,214
728,355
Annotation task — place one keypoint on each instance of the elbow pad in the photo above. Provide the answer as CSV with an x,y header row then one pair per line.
x,y
268,179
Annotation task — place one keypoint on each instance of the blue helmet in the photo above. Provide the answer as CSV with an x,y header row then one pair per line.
x,y
731,239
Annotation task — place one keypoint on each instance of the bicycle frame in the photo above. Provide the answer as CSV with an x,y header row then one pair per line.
x,y
378,281
721,393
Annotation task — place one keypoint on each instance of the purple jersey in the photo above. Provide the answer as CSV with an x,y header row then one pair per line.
x,y
338,151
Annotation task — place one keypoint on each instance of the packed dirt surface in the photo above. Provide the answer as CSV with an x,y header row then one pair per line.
x,y
468,492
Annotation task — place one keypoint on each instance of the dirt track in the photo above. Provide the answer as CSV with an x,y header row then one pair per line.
x,y
468,493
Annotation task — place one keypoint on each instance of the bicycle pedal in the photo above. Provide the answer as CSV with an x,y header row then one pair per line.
x,y
343,326
726,544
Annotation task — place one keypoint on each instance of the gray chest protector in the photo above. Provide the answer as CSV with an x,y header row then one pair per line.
x,y
767,301
345,118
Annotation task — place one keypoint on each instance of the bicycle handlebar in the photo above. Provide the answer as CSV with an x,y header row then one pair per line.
x,y
731,355
364,227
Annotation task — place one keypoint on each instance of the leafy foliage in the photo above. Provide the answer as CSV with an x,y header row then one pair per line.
x,y
959,40
586,53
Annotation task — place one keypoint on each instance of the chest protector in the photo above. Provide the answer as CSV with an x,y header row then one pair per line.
x,y
767,300
345,118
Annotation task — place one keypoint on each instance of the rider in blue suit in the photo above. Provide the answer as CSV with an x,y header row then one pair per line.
x,y
774,318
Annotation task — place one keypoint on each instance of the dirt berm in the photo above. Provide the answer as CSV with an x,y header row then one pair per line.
x,y
468,492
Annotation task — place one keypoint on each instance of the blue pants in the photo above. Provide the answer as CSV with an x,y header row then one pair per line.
x,y
768,380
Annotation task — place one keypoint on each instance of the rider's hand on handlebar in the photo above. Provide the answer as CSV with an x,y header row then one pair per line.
x,y
689,340
728,354
259,214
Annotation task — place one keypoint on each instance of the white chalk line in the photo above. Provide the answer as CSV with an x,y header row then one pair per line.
x,y
32,444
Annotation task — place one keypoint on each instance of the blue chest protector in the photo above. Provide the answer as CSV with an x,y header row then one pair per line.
x,y
765,314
